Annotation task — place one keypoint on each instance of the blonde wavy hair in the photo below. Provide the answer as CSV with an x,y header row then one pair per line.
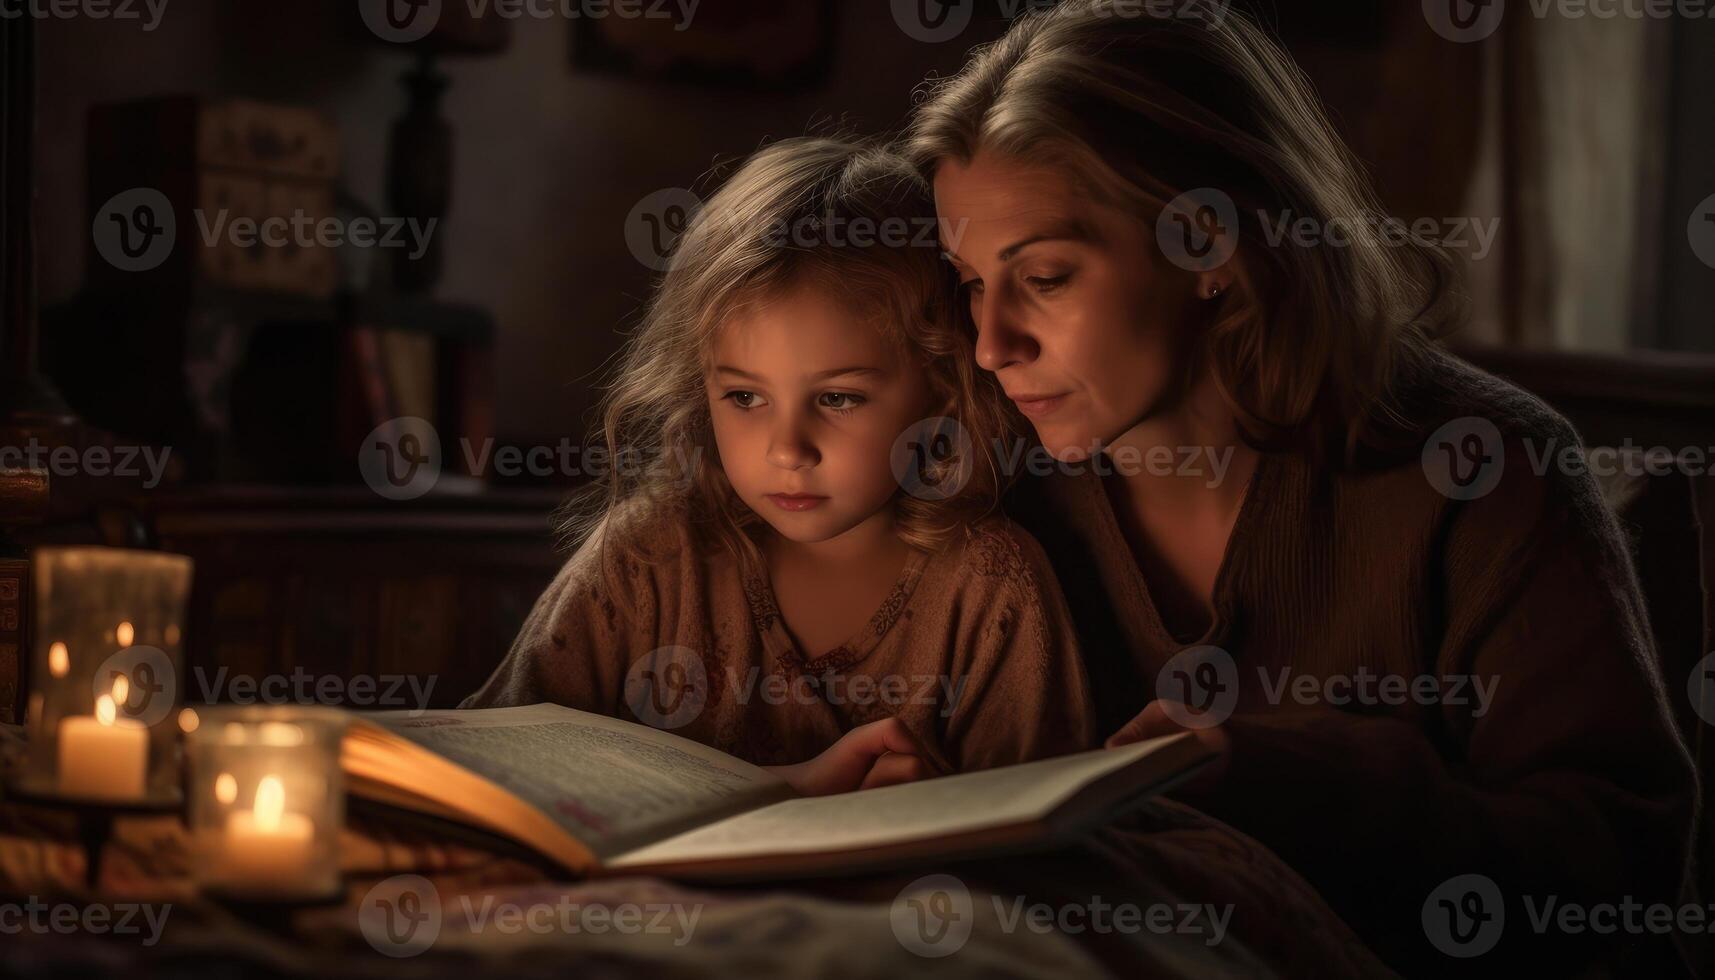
x,y
776,223
1138,109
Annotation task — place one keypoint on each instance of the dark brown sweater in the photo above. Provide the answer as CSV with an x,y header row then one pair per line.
x,y
1572,781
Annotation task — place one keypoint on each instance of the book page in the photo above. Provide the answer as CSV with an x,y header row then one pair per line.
x,y
949,806
611,784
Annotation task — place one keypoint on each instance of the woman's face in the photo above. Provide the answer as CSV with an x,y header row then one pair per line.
x,y
1087,326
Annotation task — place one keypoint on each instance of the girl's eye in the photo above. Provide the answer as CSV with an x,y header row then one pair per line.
x,y
1047,284
972,286
743,399
841,401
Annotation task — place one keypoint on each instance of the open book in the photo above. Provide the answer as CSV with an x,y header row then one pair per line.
x,y
602,796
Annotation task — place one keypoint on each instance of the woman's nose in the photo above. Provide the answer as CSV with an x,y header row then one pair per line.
x,y
789,444
1000,341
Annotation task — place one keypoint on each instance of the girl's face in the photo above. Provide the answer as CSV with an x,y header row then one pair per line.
x,y
807,400
1086,324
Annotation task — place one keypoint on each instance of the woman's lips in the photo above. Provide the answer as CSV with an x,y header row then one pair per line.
x,y
1037,406
796,501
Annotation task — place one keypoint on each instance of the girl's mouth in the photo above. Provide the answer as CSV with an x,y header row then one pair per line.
x,y
796,501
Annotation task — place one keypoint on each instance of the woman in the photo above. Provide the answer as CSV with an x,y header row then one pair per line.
x,y
1344,501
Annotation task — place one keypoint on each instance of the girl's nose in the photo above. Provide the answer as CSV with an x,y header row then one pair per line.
x,y
790,446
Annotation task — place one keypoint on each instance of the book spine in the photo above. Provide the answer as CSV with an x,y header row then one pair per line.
x,y
14,637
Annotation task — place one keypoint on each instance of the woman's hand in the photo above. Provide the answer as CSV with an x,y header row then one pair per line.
x,y
1153,722
880,753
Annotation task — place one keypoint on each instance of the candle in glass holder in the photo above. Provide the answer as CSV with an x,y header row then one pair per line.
x,y
267,847
105,757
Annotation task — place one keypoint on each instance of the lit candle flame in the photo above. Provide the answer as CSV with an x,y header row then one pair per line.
x,y
121,689
270,803
225,788
125,634
104,710
59,660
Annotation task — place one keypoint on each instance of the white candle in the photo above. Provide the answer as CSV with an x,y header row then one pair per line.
x,y
105,757
268,849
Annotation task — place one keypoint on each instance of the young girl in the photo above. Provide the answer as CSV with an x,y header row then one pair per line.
x,y
758,574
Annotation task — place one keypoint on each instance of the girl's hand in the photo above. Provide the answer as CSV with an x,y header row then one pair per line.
x,y
880,753
1153,722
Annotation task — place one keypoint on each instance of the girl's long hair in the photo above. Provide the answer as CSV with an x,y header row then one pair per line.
x,y
844,215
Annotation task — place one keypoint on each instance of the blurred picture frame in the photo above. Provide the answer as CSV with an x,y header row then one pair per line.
x,y
757,45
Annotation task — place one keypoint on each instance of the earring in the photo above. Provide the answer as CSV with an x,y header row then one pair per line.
x,y
1214,290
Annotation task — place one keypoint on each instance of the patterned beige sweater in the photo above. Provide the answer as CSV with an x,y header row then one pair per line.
x,y
973,650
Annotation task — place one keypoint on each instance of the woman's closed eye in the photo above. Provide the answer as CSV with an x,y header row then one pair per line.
x,y
1048,284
